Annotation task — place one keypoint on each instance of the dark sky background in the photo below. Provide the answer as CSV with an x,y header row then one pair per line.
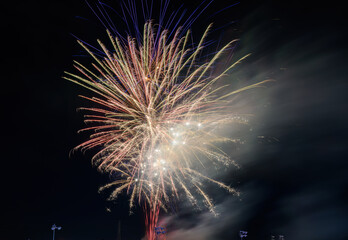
x,y
296,186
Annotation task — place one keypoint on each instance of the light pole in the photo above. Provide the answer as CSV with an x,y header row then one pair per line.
x,y
243,234
54,227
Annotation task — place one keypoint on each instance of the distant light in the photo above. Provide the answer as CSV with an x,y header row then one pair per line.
x,y
243,234
54,227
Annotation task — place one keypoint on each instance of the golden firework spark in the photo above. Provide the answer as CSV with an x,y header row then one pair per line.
x,y
157,115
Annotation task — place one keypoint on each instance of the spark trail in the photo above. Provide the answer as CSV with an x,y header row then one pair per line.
x,y
156,117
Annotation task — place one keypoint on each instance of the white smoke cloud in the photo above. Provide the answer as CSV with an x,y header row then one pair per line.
x,y
232,214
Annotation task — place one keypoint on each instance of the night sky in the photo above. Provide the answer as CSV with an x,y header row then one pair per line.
x,y
293,181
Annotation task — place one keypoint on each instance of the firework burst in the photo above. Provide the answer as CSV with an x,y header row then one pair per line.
x,y
156,116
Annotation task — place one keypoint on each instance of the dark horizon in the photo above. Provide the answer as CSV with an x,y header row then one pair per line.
x,y
293,185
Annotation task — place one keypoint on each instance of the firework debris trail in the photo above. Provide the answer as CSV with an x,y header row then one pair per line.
x,y
156,118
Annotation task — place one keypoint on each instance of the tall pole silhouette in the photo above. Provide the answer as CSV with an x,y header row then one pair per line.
x,y
119,230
